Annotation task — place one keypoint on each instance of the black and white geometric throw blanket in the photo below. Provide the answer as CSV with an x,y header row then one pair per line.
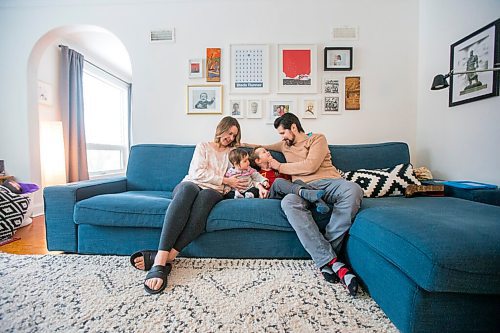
x,y
13,207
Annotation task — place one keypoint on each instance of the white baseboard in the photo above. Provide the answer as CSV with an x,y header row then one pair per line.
x,y
37,209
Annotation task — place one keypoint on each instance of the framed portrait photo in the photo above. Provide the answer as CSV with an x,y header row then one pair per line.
x,y
236,108
254,108
479,50
297,69
195,68
278,108
249,69
338,58
204,99
309,108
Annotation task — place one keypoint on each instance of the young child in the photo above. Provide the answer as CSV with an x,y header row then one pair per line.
x,y
280,184
256,186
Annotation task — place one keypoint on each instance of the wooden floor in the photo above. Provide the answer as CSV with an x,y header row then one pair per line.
x,y
32,239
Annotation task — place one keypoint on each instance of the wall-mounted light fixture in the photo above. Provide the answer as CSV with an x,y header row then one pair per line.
x,y
440,82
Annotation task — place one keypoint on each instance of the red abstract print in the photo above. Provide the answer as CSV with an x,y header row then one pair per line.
x,y
297,63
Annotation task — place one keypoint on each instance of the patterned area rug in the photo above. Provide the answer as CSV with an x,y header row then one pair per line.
x,y
78,293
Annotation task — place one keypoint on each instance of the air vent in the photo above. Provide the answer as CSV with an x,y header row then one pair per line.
x,y
345,33
162,36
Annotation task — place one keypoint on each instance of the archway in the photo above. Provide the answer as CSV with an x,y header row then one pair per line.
x,y
98,45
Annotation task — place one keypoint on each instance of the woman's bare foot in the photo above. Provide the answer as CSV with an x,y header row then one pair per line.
x,y
161,260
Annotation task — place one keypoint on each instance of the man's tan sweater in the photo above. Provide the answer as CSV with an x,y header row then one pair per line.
x,y
307,160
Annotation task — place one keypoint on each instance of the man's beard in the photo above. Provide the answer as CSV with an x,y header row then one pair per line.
x,y
289,142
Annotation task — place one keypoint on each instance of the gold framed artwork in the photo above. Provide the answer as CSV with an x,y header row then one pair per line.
x,y
352,92
204,99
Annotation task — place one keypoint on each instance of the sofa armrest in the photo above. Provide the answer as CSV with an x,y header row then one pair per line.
x,y
59,202
487,196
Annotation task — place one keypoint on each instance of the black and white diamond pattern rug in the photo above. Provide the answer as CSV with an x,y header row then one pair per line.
x,y
83,293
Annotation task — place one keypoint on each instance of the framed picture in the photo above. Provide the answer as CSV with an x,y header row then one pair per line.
x,y
213,64
254,108
352,92
297,69
204,99
309,108
480,50
278,108
338,58
236,108
331,85
331,105
45,95
249,69
195,68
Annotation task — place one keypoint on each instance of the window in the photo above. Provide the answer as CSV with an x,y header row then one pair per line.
x,y
106,106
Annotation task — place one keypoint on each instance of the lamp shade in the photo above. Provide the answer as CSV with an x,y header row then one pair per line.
x,y
439,82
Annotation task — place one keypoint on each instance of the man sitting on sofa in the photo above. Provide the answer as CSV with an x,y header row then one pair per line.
x,y
309,160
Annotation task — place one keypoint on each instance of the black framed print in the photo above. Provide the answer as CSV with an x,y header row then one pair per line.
x,y
338,58
478,51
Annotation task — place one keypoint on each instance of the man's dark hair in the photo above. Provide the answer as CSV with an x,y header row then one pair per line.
x,y
287,120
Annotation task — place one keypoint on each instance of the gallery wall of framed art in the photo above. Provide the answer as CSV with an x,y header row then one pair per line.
x,y
310,92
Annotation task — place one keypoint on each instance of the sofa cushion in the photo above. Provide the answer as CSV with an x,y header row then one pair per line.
x,y
265,214
443,244
126,209
383,182
369,156
157,167
248,214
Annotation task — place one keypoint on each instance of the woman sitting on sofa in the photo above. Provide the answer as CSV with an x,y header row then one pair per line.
x,y
192,201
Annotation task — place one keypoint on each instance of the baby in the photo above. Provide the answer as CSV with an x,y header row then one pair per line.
x,y
280,185
256,183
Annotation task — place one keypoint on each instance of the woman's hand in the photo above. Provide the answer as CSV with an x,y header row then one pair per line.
x,y
235,183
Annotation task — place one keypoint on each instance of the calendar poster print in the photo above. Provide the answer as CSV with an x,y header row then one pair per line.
x,y
213,64
250,68
297,69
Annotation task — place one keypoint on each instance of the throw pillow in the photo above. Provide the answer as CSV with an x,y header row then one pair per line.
x,y
13,208
383,182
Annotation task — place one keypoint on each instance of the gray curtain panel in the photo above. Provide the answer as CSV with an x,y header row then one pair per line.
x,y
71,94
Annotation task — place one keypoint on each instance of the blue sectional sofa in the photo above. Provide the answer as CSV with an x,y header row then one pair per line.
x,y
431,263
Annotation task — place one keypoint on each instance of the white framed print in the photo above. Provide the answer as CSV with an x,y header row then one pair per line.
x,y
195,68
236,108
332,105
309,108
254,108
297,68
45,94
204,99
249,68
278,107
331,85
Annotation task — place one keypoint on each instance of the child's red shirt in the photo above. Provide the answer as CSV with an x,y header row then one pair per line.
x,y
271,175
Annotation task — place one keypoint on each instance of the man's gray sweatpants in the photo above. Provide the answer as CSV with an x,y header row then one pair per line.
x,y
345,196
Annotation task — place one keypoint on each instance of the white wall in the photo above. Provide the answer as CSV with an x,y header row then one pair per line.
x,y
461,142
385,56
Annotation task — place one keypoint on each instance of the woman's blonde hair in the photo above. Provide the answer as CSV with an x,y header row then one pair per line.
x,y
225,125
